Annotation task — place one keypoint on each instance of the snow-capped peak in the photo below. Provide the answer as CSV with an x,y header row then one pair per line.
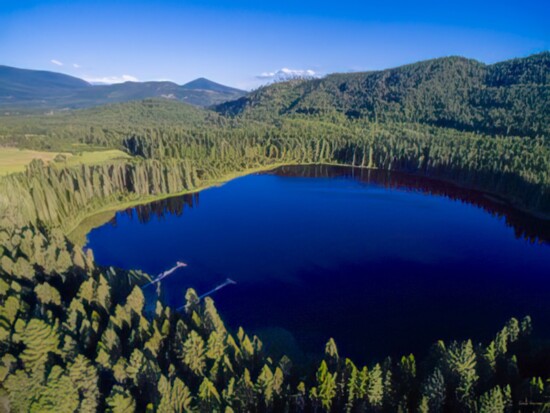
x,y
285,74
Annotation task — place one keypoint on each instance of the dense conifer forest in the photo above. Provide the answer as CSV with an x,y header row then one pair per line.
x,y
75,336
506,98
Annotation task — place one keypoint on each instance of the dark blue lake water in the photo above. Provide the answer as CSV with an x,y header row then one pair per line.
x,y
385,263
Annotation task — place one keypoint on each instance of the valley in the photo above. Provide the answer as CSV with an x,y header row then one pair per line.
x,y
401,195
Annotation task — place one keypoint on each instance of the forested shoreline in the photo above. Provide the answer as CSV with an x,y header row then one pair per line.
x,y
166,161
75,336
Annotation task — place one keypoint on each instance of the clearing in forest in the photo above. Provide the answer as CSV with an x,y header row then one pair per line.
x,y
15,160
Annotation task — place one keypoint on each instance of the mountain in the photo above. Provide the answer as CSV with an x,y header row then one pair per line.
x,y
27,85
23,89
511,97
123,92
204,84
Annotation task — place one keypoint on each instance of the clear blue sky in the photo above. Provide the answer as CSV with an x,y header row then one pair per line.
x,y
235,41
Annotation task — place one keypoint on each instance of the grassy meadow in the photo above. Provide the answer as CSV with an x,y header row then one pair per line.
x,y
14,160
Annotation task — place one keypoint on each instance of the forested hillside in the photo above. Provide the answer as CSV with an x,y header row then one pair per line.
x,y
75,336
159,132
104,125
508,98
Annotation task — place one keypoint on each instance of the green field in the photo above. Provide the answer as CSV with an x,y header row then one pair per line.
x,y
95,157
14,160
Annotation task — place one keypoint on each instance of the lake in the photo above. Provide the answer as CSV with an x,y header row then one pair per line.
x,y
386,263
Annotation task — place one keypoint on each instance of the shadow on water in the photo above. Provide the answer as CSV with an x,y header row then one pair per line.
x,y
159,209
525,225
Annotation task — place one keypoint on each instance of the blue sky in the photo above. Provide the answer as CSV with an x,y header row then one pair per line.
x,y
235,42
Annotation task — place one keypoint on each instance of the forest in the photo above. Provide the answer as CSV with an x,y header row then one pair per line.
x,y
505,98
76,336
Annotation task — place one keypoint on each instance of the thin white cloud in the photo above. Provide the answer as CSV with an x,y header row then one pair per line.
x,y
76,66
56,62
111,79
287,74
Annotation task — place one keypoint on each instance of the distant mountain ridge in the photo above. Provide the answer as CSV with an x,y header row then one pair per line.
x,y
506,98
25,89
510,97
24,83
204,84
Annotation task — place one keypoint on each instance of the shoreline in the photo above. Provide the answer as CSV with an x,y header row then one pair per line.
x,y
79,231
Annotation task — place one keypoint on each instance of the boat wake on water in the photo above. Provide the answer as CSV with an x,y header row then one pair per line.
x,y
227,282
163,275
